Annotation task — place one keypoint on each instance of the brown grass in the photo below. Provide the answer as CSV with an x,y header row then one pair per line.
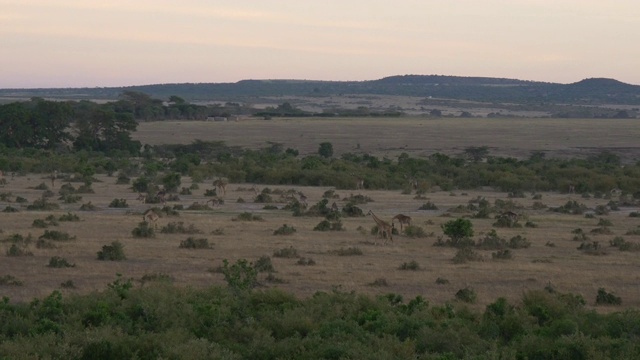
x,y
568,269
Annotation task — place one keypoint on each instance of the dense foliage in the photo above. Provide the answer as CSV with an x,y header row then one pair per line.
x,y
160,320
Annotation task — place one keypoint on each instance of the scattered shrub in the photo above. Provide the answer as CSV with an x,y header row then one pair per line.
x,y
68,284
247,216
42,205
504,254
467,295
379,282
195,243
59,262
358,199
326,225
10,209
592,248
70,198
415,231
571,207
350,251
428,206
518,242
119,203
18,250
113,252
465,255
264,264
10,280
285,230
442,281
88,207
305,261
56,235
143,230
412,265
69,217
179,228
289,252
606,298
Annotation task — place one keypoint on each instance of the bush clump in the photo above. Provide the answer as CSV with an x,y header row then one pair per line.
x,y
606,298
113,252
289,252
285,230
350,251
247,216
56,235
69,217
179,228
412,265
467,295
195,243
143,230
118,203
59,262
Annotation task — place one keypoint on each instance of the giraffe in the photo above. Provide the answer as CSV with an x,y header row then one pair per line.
x,y
359,184
334,207
54,175
572,189
303,199
402,219
151,216
383,227
2,179
221,184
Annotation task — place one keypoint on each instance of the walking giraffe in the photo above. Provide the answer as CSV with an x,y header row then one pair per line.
x,y
384,228
402,219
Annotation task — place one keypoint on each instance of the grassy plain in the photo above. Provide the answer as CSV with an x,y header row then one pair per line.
x,y
561,265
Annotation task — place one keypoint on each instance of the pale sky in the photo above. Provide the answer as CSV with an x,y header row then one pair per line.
x,y
90,43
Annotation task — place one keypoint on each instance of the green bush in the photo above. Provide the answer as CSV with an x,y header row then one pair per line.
x,y
247,216
195,243
326,225
284,230
113,252
56,236
606,298
350,251
289,252
10,280
18,250
119,203
69,217
466,254
59,262
143,230
428,206
467,295
412,265
264,264
179,228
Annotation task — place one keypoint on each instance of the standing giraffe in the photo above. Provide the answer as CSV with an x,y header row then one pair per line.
x,y
221,184
359,184
402,219
150,216
54,175
383,227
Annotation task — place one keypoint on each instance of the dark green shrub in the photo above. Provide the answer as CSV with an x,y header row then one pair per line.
x,y
379,282
592,248
326,225
504,254
69,217
412,265
59,262
428,206
239,276
606,298
10,209
289,252
113,252
70,198
193,243
263,198
459,231
247,216
264,264
42,205
305,261
179,228
18,250
467,295
571,207
519,242
357,199
350,251
88,207
68,284
271,278
10,280
491,241
441,281
415,231
143,230
350,209
119,203
56,235
210,192
466,254
284,230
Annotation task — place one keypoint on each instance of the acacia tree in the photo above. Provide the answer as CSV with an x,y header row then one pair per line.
x,y
38,123
101,128
325,149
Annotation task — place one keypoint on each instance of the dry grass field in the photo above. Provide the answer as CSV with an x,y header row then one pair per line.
x,y
562,265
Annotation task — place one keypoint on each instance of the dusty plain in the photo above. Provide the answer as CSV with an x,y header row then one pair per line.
x,y
561,265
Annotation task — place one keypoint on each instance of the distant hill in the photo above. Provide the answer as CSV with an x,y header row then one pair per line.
x,y
595,91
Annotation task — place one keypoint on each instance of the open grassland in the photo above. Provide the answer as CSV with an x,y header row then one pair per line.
x,y
416,136
552,258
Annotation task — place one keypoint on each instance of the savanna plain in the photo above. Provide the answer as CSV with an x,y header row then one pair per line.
x,y
354,259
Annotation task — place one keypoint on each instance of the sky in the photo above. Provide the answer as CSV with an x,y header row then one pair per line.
x,y
87,43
